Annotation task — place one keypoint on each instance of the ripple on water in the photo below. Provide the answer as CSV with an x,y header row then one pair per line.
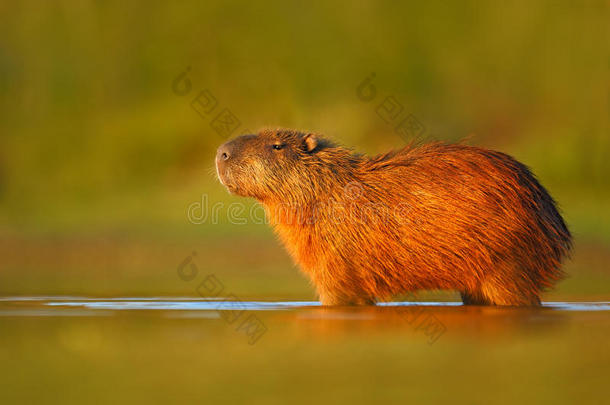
x,y
213,304
221,304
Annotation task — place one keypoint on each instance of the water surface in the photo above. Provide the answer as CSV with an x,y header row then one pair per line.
x,y
66,349
225,303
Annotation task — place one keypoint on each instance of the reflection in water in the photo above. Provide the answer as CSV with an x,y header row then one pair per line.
x,y
219,304
427,322
579,306
200,305
180,343
51,312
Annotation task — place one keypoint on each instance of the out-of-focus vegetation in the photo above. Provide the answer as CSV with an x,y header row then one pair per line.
x,y
100,158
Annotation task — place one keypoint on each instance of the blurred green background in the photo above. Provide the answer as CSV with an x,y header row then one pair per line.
x,y
100,158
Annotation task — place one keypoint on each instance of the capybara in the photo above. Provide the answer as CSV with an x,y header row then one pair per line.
x,y
428,216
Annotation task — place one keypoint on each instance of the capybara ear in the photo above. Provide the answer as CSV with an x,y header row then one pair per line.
x,y
310,142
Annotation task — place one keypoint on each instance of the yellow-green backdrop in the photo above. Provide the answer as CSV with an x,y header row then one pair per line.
x,y
102,151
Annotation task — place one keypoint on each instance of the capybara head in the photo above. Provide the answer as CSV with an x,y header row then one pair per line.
x,y
273,164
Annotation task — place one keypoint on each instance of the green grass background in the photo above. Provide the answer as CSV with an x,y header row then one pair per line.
x,y
100,159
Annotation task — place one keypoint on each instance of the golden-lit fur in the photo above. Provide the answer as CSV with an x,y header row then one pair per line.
x,y
431,216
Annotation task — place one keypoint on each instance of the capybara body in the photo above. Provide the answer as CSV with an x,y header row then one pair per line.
x,y
428,216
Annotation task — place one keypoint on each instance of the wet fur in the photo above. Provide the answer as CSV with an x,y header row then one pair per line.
x,y
431,216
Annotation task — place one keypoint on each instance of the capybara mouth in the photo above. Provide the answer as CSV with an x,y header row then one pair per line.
x,y
229,185
225,180
222,176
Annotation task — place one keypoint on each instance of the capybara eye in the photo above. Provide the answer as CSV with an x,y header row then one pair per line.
x,y
278,146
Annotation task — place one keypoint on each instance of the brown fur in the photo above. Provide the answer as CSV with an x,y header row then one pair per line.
x,y
431,216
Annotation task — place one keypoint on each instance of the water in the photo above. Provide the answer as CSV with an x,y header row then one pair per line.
x,y
58,304
65,349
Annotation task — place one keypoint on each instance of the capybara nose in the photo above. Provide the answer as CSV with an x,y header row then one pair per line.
x,y
223,153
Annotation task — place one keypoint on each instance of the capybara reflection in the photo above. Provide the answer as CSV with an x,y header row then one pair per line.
x,y
428,216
